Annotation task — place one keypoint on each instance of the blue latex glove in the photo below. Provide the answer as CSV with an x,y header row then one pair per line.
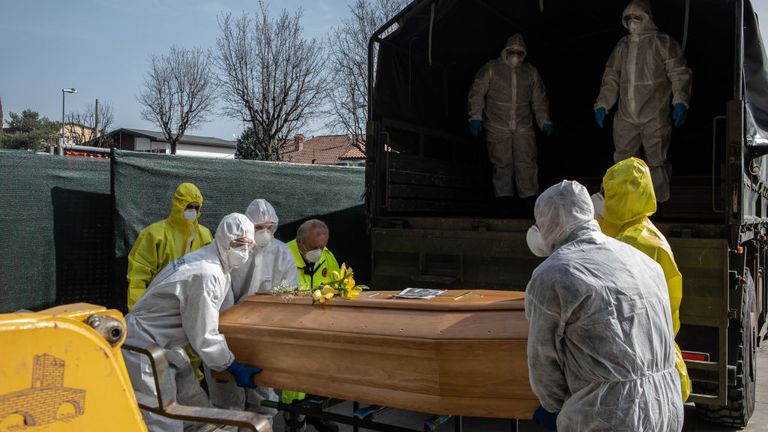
x,y
475,127
600,116
548,129
243,374
679,114
545,419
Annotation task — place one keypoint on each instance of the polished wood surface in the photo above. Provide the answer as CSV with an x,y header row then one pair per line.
x,y
463,353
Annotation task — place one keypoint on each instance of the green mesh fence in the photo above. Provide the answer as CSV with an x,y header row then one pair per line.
x,y
143,185
55,231
64,236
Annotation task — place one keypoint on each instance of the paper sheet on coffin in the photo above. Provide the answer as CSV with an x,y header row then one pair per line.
x,y
441,356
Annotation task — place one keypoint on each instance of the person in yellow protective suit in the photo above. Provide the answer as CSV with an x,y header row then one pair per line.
x,y
629,201
315,264
165,241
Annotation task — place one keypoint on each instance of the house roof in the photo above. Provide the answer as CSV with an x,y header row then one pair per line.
x,y
353,153
326,149
186,139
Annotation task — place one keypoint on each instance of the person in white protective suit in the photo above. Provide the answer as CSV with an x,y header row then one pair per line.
x,y
180,308
505,96
601,355
270,264
648,75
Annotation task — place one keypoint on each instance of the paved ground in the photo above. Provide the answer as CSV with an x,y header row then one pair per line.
x,y
415,421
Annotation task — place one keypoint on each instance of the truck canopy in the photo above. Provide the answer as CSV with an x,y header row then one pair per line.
x,y
756,78
426,65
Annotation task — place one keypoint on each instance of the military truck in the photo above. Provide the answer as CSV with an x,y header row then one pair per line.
x,y
428,182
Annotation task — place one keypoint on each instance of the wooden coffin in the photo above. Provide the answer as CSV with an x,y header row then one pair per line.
x,y
458,355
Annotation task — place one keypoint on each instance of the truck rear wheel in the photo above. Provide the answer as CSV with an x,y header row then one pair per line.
x,y
741,397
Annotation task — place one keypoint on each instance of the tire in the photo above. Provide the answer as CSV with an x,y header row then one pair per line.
x,y
741,397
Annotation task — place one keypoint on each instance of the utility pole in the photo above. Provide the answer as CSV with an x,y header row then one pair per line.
x,y
64,92
96,120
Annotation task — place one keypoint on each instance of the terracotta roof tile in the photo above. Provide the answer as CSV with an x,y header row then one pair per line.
x,y
326,149
353,153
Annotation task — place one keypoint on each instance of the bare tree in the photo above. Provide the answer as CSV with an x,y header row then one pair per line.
x,y
75,130
348,65
95,121
271,77
178,92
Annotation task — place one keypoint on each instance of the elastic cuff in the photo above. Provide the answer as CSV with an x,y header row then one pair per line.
x,y
225,368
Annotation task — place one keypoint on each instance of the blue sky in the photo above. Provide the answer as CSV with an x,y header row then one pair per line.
x,y
102,47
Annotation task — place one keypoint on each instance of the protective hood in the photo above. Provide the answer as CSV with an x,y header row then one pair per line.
x,y
642,8
560,211
232,226
515,42
186,193
628,192
261,211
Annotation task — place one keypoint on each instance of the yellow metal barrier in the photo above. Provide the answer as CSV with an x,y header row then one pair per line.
x,y
61,369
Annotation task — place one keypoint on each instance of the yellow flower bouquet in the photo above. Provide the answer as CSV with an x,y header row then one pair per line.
x,y
342,284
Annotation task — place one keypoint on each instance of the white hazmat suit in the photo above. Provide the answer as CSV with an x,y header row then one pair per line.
x,y
600,346
266,267
180,308
505,96
645,72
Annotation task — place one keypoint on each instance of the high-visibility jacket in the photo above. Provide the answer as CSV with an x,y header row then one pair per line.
x,y
312,276
309,277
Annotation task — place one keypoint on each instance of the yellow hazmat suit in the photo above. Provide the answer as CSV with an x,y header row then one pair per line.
x,y
165,241
629,201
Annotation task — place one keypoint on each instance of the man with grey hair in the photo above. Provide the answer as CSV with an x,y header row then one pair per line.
x,y
313,259
315,264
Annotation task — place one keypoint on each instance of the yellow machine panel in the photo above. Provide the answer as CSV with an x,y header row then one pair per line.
x,y
61,369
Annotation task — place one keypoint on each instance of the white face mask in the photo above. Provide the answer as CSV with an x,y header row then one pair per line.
x,y
598,201
237,256
634,26
514,60
314,255
535,242
262,238
190,214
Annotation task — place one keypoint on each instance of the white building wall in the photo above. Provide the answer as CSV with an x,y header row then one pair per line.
x,y
145,144
142,144
205,151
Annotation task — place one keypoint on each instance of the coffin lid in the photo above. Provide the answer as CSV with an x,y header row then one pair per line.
x,y
480,300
